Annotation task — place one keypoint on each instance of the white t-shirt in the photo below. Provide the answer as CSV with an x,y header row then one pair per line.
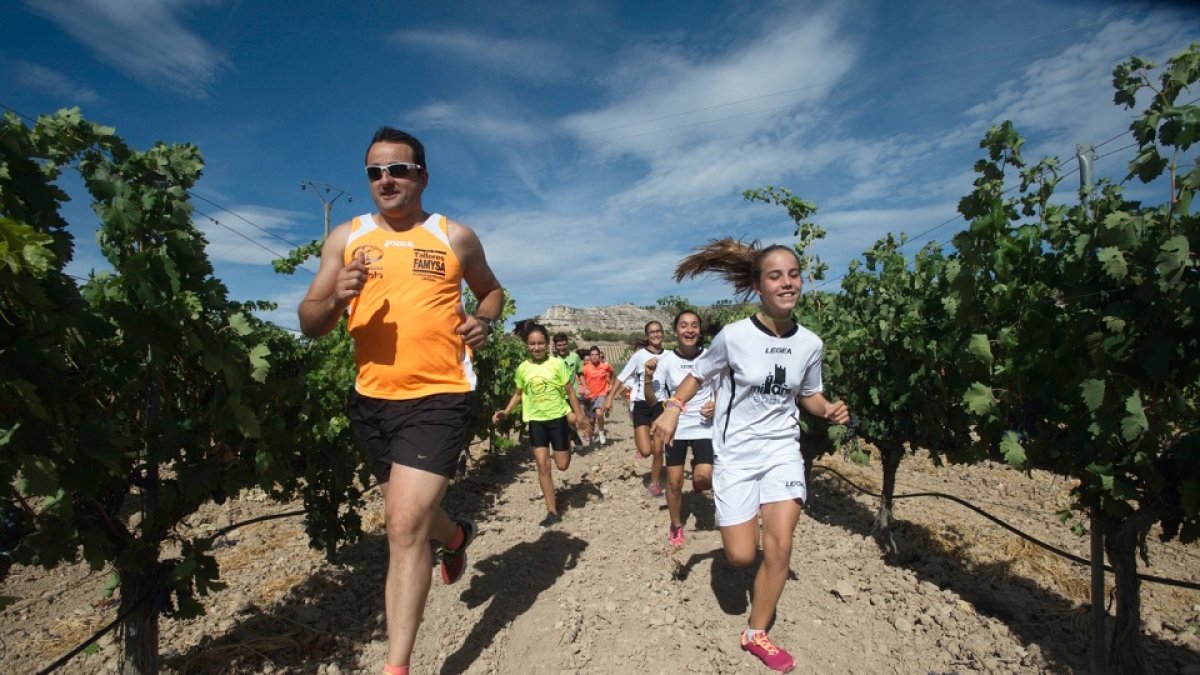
x,y
757,418
633,375
671,370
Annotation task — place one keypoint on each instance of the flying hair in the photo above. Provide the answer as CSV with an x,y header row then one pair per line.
x,y
734,260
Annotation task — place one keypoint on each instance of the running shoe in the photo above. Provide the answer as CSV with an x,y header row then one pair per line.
x,y
768,652
454,561
550,520
656,490
603,440
675,535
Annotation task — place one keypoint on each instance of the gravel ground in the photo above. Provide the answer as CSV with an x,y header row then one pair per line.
x,y
605,593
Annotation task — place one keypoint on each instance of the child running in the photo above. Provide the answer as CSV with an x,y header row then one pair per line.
x,y
547,396
768,366
562,350
695,424
643,413
597,378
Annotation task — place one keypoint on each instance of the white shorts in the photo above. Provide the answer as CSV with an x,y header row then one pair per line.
x,y
740,491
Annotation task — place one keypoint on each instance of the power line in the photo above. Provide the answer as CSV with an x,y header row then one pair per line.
x,y
251,240
242,218
958,216
208,201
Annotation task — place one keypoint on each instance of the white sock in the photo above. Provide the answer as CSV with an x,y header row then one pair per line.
x,y
751,632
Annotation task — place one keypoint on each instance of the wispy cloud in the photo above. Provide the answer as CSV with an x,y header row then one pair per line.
x,y
49,81
683,94
706,124
473,120
527,59
146,39
1068,98
232,239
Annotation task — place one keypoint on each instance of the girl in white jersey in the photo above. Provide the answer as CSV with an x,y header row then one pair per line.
x,y
695,428
632,376
767,367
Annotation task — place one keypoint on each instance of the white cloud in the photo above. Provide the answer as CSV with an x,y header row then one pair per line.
x,y
680,95
704,125
548,257
232,239
144,38
529,59
472,120
49,81
1068,98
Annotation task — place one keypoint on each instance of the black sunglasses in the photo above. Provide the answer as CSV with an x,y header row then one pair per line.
x,y
395,170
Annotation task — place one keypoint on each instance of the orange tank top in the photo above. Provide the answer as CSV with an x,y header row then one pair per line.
x,y
405,320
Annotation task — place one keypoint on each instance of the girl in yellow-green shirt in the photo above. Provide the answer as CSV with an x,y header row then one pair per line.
x,y
546,396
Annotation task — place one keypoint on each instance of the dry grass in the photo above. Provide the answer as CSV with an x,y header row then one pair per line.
x,y
273,589
65,634
223,655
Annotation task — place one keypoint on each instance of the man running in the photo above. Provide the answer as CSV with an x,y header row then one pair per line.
x,y
398,273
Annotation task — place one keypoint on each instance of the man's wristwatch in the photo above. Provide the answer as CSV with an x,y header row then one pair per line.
x,y
490,323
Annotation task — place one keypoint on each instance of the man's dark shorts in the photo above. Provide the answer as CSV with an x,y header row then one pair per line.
x,y
644,414
427,433
702,452
554,434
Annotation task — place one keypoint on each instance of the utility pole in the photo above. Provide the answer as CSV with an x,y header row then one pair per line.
x,y
321,190
1097,658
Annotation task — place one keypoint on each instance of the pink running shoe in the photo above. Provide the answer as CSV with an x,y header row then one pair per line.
x,y
768,652
675,535
656,490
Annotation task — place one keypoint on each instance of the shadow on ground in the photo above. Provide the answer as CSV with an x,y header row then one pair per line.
x,y
327,617
510,583
577,495
1035,614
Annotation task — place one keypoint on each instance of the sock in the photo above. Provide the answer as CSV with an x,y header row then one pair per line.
x,y
750,633
460,536
395,670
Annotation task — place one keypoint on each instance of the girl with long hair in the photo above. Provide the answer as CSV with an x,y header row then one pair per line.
x,y
766,367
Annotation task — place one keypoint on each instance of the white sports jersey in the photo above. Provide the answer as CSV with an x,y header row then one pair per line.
x,y
757,417
634,374
671,370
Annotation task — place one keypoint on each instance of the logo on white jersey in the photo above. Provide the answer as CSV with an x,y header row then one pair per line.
x,y
774,389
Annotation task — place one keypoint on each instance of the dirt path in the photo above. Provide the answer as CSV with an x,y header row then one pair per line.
x,y
604,592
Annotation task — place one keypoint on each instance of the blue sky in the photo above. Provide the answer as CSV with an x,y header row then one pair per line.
x,y
590,144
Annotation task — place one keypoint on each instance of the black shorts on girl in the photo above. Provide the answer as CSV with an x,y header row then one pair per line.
x,y
644,414
427,433
554,434
702,452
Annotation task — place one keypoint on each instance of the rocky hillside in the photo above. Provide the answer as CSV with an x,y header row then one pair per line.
x,y
610,319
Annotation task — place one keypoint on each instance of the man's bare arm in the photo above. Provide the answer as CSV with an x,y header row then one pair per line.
x,y
480,279
334,287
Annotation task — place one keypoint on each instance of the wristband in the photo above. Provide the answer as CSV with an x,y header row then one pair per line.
x,y
676,401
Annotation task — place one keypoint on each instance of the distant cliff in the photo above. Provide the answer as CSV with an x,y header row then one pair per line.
x,y
609,319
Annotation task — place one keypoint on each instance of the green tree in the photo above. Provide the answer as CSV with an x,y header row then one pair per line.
x,y
897,360
1087,317
144,409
